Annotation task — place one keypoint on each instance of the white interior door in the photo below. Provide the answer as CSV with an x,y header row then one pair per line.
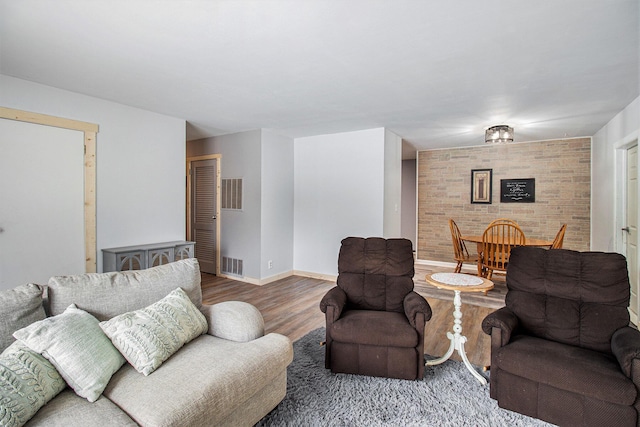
x,y
41,203
631,228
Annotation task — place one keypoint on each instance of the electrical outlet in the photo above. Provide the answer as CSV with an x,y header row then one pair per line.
x,y
270,264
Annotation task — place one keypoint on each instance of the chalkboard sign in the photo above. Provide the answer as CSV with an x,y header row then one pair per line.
x,y
518,190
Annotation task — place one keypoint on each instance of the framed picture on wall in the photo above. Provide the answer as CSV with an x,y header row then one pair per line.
x,y
481,185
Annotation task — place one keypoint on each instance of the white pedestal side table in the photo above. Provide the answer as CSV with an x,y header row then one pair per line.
x,y
458,282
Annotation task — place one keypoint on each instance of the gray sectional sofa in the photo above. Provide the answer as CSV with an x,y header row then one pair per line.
x,y
231,375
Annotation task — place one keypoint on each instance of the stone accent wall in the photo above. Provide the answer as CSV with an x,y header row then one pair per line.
x,y
561,168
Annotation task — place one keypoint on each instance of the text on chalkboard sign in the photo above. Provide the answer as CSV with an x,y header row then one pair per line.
x,y
518,190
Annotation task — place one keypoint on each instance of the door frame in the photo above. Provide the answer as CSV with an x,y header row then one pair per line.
x,y
89,130
190,160
621,199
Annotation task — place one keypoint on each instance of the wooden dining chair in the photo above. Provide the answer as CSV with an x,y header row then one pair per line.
x,y
557,242
460,252
497,241
504,220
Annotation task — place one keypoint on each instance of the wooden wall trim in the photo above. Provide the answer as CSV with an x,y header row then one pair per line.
x,y
44,119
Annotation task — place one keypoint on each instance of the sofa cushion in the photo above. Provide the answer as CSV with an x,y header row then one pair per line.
x,y
27,382
369,327
70,410
19,307
214,377
570,368
74,343
106,295
149,336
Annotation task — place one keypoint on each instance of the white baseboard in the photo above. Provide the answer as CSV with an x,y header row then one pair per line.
x,y
319,276
279,276
258,282
331,278
448,265
243,279
634,318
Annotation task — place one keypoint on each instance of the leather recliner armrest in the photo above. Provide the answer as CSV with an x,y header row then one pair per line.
x,y
505,320
414,304
625,345
336,299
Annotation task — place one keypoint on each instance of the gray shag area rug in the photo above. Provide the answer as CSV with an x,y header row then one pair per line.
x,y
448,395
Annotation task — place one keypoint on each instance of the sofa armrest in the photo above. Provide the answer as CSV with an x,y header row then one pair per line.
x,y
625,345
415,304
503,319
332,303
234,320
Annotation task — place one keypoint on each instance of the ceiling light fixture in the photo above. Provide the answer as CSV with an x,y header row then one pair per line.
x,y
499,134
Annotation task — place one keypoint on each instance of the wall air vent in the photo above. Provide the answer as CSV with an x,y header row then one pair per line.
x,y
232,194
232,266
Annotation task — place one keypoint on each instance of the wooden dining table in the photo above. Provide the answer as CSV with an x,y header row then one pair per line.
x,y
528,241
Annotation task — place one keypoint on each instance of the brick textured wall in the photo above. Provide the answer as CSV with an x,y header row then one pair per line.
x,y
561,169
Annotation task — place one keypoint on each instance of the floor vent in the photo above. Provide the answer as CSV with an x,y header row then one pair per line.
x,y
232,266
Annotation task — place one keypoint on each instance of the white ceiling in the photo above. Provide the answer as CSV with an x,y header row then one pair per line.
x,y
434,72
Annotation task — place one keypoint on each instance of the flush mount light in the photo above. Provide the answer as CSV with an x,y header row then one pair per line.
x,y
499,134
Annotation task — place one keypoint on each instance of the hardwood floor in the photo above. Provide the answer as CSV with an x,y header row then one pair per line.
x,y
290,307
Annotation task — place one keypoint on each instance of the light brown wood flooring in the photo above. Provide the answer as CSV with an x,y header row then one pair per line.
x,y
290,307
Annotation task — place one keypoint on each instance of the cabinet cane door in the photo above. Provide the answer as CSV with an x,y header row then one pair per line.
x,y
204,212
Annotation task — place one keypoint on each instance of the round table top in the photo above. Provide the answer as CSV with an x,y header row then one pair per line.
x,y
459,282
528,241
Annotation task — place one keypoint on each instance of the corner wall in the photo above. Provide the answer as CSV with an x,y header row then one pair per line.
x,y
338,192
240,231
392,185
622,130
276,242
409,200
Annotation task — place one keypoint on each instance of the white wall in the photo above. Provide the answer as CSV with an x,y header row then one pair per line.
x,y
36,161
277,205
392,185
409,200
338,192
140,193
605,170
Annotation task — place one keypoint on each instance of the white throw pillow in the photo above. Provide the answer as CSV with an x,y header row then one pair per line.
x,y
149,336
27,382
74,343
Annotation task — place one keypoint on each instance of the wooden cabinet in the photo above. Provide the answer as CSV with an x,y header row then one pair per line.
x,y
140,257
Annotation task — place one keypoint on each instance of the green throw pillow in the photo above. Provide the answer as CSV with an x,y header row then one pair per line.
x,y
74,343
19,307
27,382
149,336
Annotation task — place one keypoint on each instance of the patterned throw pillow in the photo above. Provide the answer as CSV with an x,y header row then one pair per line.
x,y
149,336
27,382
74,343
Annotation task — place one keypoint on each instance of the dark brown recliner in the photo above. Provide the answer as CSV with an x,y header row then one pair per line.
x,y
375,322
562,349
